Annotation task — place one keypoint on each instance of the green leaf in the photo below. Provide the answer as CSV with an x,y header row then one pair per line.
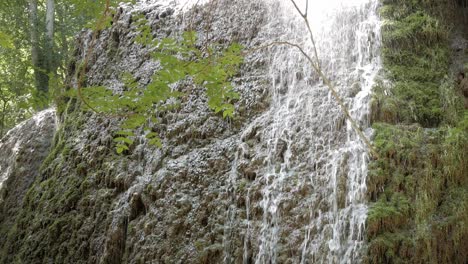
x,y
6,41
189,38
180,60
134,122
156,142
151,135
125,133
121,148
125,140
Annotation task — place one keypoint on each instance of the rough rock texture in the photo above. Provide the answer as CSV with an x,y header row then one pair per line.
x,y
281,182
22,151
151,205
418,187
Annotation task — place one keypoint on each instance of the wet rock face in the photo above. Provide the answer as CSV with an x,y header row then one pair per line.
x,y
22,151
150,205
257,188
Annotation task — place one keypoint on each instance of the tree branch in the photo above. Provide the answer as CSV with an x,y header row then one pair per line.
x,y
329,85
82,73
309,29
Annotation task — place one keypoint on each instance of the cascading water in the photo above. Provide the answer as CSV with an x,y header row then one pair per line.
x,y
294,191
307,201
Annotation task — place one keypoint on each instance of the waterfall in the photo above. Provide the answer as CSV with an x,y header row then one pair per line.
x,y
307,201
283,182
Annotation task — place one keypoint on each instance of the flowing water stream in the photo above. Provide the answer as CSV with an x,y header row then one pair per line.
x,y
301,168
29,138
298,180
311,183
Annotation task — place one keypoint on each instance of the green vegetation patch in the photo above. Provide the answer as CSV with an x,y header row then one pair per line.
x,y
419,196
418,186
416,57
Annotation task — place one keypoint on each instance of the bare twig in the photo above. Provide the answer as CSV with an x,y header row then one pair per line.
x,y
329,85
309,29
209,23
191,20
327,81
82,73
298,9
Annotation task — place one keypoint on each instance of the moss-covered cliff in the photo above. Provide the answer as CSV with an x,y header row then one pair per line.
x,y
87,204
199,198
418,186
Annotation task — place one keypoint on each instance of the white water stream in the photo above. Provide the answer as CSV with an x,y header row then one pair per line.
x,y
313,177
305,197
23,138
306,202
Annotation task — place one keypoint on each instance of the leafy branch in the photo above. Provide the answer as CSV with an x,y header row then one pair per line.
x,y
180,60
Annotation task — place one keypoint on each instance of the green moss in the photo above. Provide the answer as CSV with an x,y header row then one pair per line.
x,y
390,248
65,207
413,30
418,185
416,57
57,147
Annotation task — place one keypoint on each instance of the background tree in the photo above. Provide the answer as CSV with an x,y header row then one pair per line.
x,y
16,82
36,38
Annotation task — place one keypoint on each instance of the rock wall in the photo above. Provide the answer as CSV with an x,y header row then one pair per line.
x,y
168,205
201,198
282,182
418,187
22,151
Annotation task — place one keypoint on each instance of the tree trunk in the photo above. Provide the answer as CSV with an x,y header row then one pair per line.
x,y
61,11
50,20
37,57
2,121
34,34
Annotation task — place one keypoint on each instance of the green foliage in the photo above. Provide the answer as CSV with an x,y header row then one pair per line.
x,y
180,60
418,186
16,98
416,58
211,68
416,28
15,78
412,187
16,70
90,11
5,41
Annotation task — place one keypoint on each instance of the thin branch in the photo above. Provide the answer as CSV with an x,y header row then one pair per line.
x,y
327,81
298,9
309,29
82,73
186,3
307,8
209,25
192,17
330,86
